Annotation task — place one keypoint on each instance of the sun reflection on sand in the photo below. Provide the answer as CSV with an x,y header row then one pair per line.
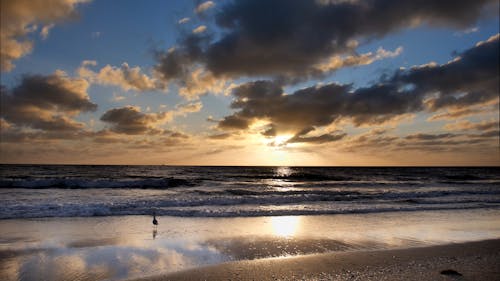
x,y
285,226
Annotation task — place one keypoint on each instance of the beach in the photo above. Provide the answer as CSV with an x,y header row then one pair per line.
x,y
67,222
465,261
377,246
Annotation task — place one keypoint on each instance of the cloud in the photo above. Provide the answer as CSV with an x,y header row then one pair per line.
x,y
317,139
454,113
130,120
466,125
192,107
20,18
337,62
277,37
44,33
117,97
204,6
220,136
420,142
177,62
427,137
371,140
469,80
211,119
200,29
233,122
315,106
125,77
183,20
292,41
447,142
469,30
200,82
46,102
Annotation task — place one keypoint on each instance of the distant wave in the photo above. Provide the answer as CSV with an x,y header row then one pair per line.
x,y
76,183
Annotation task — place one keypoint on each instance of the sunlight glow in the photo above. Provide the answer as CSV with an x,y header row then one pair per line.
x,y
285,226
279,141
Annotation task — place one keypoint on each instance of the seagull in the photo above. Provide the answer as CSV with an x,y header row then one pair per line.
x,y
155,221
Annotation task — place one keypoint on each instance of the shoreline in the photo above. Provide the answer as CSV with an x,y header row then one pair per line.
x,y
479,260
326,247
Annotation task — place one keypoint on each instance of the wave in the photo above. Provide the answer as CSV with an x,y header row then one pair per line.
x,y
227,204
76,183
218,211
342,195
67,191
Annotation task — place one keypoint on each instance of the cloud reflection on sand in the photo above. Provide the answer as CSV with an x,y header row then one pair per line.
x,y
105,261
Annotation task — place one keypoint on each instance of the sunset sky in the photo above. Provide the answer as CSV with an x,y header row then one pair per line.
x,y
325,82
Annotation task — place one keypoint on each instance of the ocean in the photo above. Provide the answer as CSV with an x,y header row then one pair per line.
x,y
37,191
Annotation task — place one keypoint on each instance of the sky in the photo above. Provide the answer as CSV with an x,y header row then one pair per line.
x,y
250,82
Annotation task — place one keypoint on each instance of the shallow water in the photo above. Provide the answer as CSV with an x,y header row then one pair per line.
x,y
125,247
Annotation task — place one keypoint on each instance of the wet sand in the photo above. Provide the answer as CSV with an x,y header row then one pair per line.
x,y
465,261
363,246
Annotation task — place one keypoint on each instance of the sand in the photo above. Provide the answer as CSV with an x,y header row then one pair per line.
x,y
379,246
465,261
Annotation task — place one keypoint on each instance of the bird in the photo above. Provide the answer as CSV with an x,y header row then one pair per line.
x,y
155,221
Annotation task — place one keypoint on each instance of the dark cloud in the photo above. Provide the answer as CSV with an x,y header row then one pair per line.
x,y
233,122
270,132
314,106
427,137
219,136
490,134
469,80
175,63
472,78
178,135
317,139
130,120
46,103
289,37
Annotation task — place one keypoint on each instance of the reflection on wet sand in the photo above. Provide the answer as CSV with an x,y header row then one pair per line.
x,y
285,226
249,248
100,262
77,249
87,243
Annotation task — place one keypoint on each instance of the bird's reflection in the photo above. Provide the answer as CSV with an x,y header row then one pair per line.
x,y
155,231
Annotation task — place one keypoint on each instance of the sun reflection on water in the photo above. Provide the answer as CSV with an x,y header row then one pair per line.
x,y
283,172
285,226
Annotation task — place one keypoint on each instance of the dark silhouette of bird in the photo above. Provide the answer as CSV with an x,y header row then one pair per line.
x,y
155,221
